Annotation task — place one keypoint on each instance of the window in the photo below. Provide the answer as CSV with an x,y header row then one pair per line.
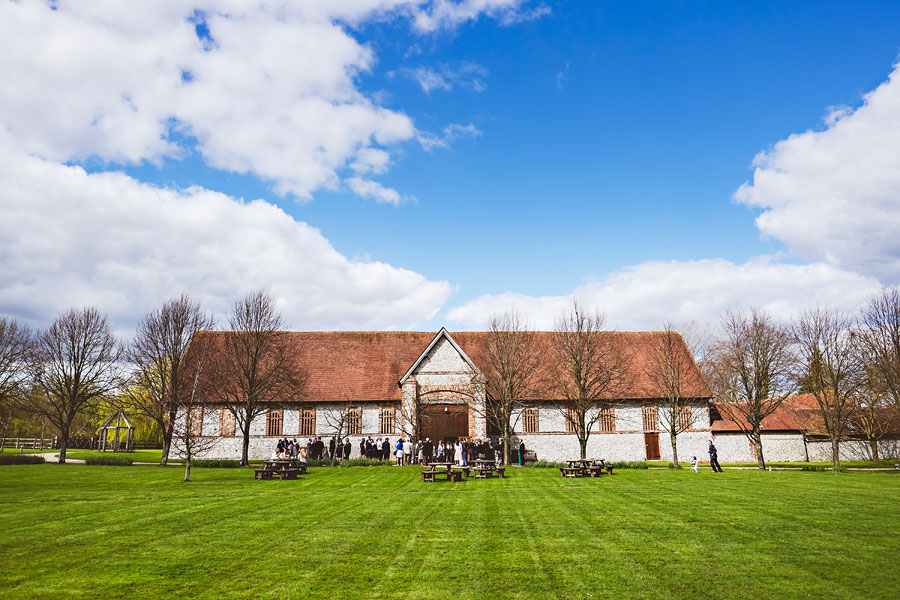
x,y
685,418
607,419
651,423
386,419
308,421
354,421
196,421
273,422
572,422
226,422
531,420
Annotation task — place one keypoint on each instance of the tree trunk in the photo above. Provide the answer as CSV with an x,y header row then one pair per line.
x,y
167,432
757,445
582,442
187,469
167,441
506,438
63,444
873,444
836,453
674,439
245,450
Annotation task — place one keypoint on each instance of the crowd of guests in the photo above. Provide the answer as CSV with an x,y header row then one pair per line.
x,y
405,452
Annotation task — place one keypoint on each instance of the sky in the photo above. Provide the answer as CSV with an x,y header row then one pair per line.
x,y
412,164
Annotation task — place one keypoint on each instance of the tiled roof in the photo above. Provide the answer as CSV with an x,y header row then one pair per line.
x,y
367,365
798,413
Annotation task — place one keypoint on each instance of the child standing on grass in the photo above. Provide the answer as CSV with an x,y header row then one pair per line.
x,y
694,464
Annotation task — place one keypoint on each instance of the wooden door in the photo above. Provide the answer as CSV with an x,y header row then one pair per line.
x,y
445,422
651,443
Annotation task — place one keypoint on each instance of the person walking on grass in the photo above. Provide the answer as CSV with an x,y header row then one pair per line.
x,y
694,464
714,458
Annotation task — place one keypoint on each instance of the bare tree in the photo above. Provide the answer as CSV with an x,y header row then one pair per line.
x,y
833,369
880,337
187,432
73,364
752,370
14,343
337,421
15,340
257,370
510,369
159,382
673,374
591,365
870,410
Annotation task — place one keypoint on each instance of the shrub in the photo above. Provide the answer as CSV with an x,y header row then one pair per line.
x,y
215,463
633,464
21,459
109,461
841,469
318,462
544,464
812,468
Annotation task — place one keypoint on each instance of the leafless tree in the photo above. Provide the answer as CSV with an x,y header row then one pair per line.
x,y
591,365
187,432
870,409
337,421
510,369
752,369
673,374
72,365
15,340
159,382
880,337
830,356
257,370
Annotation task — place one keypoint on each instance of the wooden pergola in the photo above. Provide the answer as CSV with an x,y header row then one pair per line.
x,y
117,445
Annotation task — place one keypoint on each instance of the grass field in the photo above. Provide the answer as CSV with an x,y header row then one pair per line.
x,y
76,531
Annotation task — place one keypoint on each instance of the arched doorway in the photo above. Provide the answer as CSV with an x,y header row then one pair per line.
x,y
443,422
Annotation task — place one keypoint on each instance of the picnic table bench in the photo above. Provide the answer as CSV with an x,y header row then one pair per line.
x,y
485,469
585,467
283,469
444,470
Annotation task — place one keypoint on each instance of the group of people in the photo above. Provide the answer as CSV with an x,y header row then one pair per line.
x,y
461,452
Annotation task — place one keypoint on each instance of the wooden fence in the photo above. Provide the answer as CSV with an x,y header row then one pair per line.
x,y
27,443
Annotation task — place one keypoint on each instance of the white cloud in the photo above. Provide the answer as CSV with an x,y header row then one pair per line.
x,y
448,135
447,14
270,89
366,188
834,195
651,293
445,77
72,238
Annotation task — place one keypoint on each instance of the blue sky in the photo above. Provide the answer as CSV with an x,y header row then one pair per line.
x,y
593,139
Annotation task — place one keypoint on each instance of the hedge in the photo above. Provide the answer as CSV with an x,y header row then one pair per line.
x,y
109,461
215,463
21,459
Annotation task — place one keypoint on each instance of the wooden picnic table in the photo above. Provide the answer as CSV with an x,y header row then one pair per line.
x,y
485,469
444,469
281,468
585,467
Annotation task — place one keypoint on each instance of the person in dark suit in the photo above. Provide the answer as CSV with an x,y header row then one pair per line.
x,y
386,449
347,447
521,452
714,458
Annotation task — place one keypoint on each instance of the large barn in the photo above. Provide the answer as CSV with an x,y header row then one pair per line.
x,y
379,379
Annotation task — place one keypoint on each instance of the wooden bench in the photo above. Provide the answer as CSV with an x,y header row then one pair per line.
x,y
289,473
500,471
263,473
571,471
428,476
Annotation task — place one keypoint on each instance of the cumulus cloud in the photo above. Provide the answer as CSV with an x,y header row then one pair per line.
x,y
651,293
367,188
445,77
834,195
72,238
266,88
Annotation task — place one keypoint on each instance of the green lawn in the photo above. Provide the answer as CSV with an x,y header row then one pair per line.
x,y
150,456
76,531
